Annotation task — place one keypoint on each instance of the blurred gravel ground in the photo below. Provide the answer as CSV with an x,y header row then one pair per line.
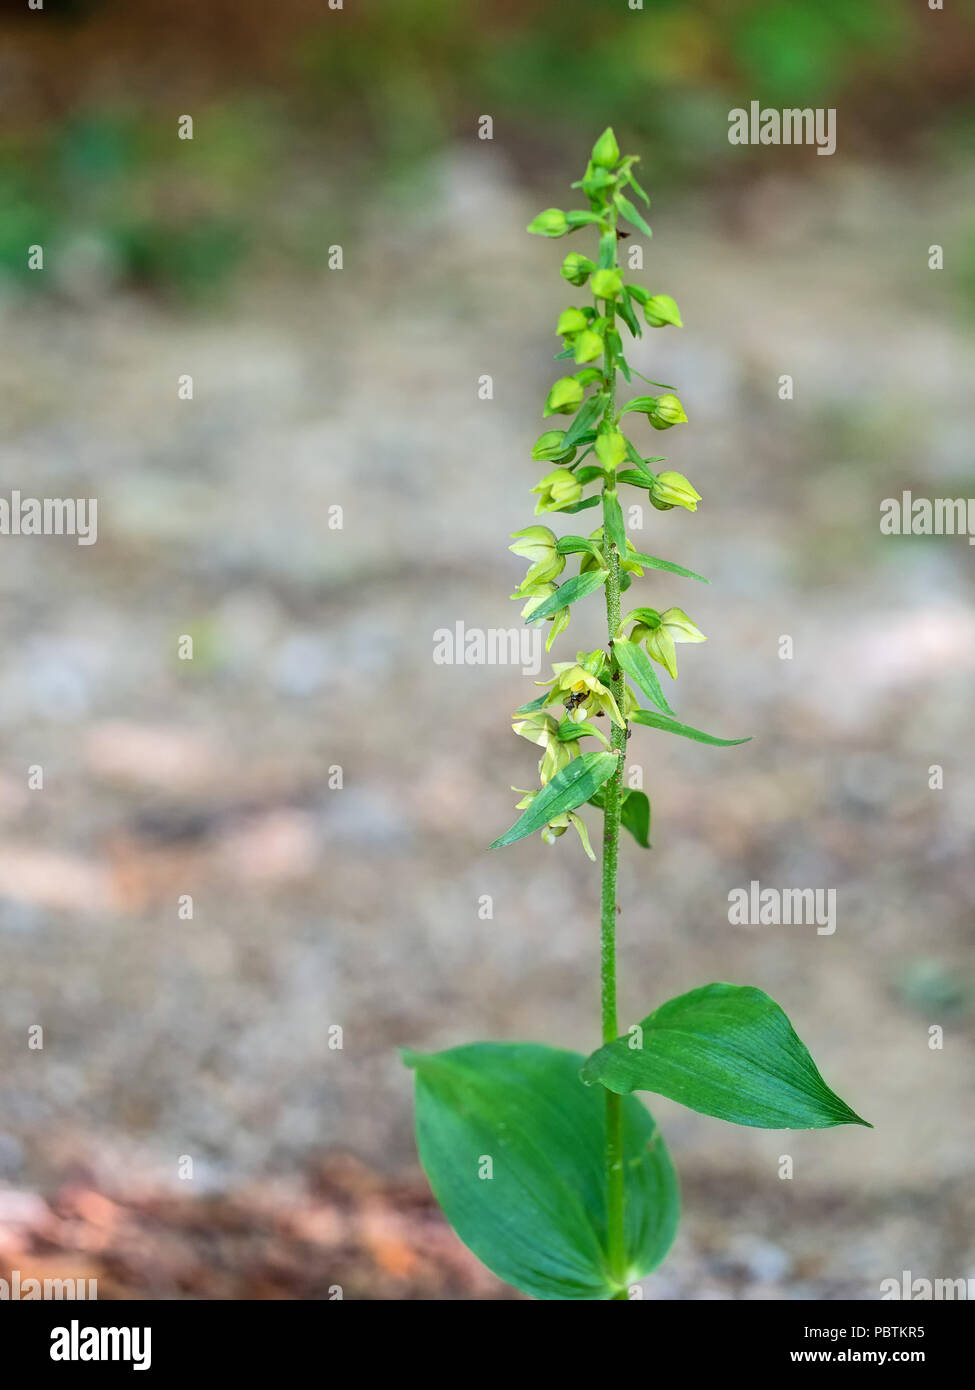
x,y
313,648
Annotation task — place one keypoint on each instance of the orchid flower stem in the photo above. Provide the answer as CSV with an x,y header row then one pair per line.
x,y
611,835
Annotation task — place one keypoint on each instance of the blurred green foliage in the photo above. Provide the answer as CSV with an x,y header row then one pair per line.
x,y
322,101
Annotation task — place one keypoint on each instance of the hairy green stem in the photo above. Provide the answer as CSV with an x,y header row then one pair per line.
x,y
611,834
613,793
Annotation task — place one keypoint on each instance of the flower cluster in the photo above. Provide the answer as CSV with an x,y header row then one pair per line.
x,y
587,462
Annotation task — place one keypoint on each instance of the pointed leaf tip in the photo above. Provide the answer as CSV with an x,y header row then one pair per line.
x,y
727,1051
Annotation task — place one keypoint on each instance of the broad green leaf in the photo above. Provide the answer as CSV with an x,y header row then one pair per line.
x,y
727,1051
613,522
636,816
631,214
585,418
539,1220
639,668
651,562
568,593
635,813
567,790
672,726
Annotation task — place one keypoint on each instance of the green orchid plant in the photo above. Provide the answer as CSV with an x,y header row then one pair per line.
x,y
544,1162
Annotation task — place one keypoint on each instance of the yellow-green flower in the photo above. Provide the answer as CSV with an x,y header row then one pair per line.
x,y
667,412
560,488
673,490
564,398
577,269
587,346
606,284
581,693
538,544
559,619
660,310
550,448
675,626
551,222
611,449
571,321
541,728
559,824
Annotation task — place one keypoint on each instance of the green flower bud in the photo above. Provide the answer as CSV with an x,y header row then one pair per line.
x,y
551,222
560,488
673,490
571,321
588,346
659,310
549,448
577,269
611,449
538,544
606,284
667,412
606,152
564,398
